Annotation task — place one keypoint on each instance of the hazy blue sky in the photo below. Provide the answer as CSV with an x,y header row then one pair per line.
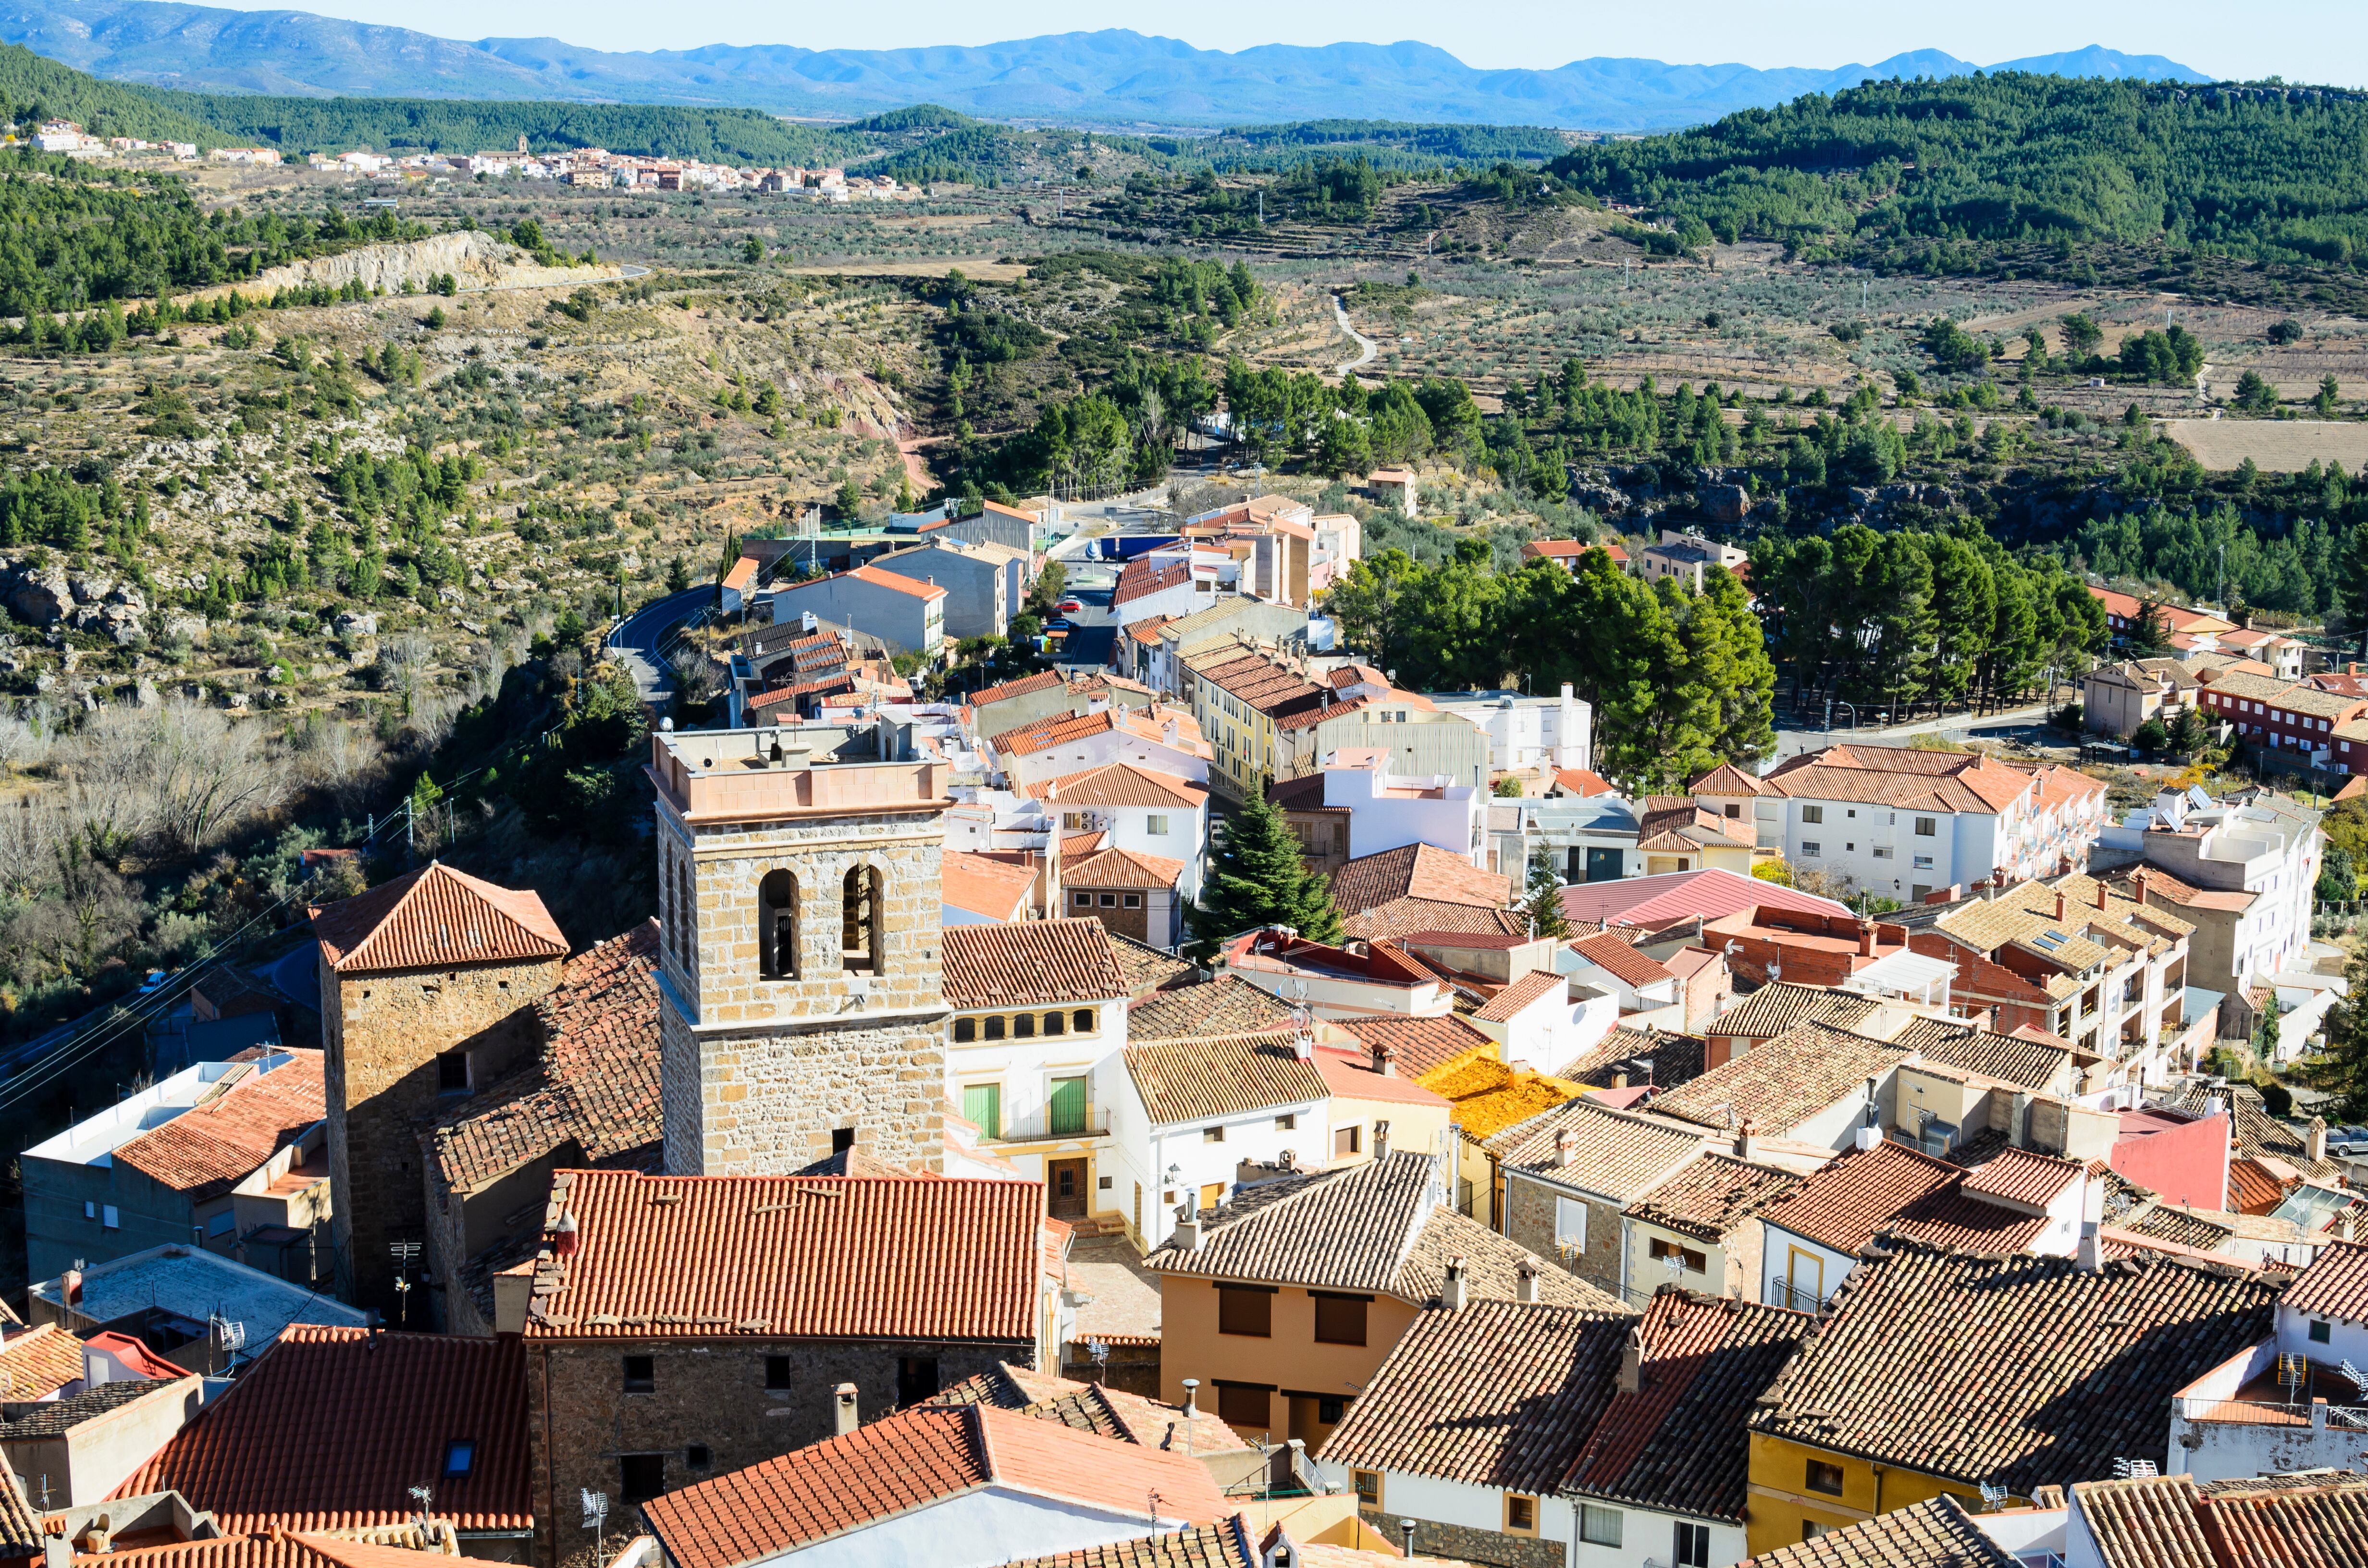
x,y
2319,40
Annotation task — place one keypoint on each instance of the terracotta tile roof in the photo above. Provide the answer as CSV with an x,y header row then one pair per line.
x,y
2025,1177
433,917
1350,1075
212,1145
1122,784
2258,1133
1515,998
2162,882
21,1527
1679,1443
2035,1064
1902,777
997,888
1420,1045
1148,970
1026,685
1403,917
2011,1360
1712,893
1677,1059
1781,1083
594,1083
1059,729
1143,576
1227,1005
880,578
1712,1195
1616,1154
1501,1394
1865,1190
1093,1407
1380,1226
1774,1009
2335,1285
1227,1544
330,1427
1205,1077
1936,1533
1583,783
272,1549
1416,870
1031,965
1622,962
912,1258
1122,869
2179,1226
910,1459
38,1362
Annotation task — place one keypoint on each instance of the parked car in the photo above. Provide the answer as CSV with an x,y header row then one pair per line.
x,y
1071,606
1060,623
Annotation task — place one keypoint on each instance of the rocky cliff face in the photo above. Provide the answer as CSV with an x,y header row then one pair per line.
x,y
475,257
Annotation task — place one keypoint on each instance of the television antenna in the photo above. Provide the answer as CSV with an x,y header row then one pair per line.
x,y
404,1253
1098,1348
1993,1497
423,1495
596,1519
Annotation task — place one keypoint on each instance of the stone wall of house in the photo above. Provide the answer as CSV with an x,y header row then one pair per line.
x,y
383,1033
757,1075
1464,1543
709,1394
1530,1220
1135,923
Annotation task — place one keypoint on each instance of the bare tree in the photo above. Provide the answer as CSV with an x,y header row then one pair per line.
x,y
342,758
210,774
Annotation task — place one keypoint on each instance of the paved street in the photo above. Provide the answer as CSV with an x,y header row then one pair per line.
x,y
639,635
2024,725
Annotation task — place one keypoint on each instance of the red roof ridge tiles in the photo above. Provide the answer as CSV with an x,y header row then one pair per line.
x,y
913,586
434,917
1143,576
326,1430
1116,867
1044,680
1032,964
912,1459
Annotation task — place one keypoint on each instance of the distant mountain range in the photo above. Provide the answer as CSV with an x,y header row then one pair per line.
x,y
1113,76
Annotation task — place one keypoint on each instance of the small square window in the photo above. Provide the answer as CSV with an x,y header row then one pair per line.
x,y
641,1374
995,1029
1286,1122
1329,1411
1130,901
109,1219
1368,1484
2321,1332
90,1208
1156,825
1212,1135
641,1477
1826,1478
1023,1025
697,1456
459,1456
1813,813
1520,1515
1110,900
1082,1020
1082,899
777,1372
452,1073
1345,1141
966,1030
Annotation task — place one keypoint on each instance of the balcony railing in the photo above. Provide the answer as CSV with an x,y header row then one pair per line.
x,y
1048,1122
1784,1295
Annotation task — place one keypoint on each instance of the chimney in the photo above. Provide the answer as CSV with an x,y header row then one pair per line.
x,y
2017,1133
1631,1364
1451,1294
2091,1259
2059,903
1566,1146
1620,1080
2317,1145
1566,692
1746,1139
2138,885
1525,1282
1186,1233
1381,1141
57,1551
70,1286
1303,1046
842,1409
562,1233
2100,892
99,1538
1385,1061
1192,1399
1866,938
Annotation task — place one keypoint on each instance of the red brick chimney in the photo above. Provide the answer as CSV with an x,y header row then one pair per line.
x,y
1385,1061
2059,903
2138,884
2100,892
1866,938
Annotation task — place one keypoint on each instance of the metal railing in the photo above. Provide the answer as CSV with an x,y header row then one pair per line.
x,y
1039,1125
1784,1295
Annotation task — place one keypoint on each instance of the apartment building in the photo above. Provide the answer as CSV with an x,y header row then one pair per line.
x,y
900,612
1356,806
1901,821
986,583
2302,723
1686,557
1546,733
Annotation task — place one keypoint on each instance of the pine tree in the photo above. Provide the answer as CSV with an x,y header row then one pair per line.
x,y
1544,901
1257,878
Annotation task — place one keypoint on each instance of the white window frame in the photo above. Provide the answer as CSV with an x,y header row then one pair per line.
x,y
1600,1525
1568,1234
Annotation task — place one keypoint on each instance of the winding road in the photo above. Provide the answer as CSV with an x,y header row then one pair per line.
x,y
639,640
1370,350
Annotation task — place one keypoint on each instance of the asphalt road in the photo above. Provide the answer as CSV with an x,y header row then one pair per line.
x,y
1795,737
638,637
1096,630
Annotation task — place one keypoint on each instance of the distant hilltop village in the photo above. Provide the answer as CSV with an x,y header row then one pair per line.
x,y
582,166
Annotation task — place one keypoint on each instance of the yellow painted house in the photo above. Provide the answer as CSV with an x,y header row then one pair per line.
x,y
1936,1371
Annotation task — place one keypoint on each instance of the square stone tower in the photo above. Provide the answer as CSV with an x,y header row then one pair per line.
x,y
800,1009
428,989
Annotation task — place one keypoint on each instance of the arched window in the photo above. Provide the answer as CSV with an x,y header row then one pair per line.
x,y
859,920
686,912
777,927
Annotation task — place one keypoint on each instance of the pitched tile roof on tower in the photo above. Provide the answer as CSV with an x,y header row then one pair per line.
x,y
432,917
1204,1076
1679,1443
1031,965
1782,1082
1416,870
1712,1195
909,1461
981,886
1935,1533
2027,1371
1376,1226
329,1428
38,1362
594,1081
1500,1394
1419,1045
1227,1005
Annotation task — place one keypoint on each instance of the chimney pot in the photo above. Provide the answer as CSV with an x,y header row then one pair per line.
x,y
1866,938
1525,1282
2317,1144
1385,1061
1631,1364
2092,1258
842,1409
1451,1294
1746,1139
1381,1141
2101,894
2059,903
1192,1398
1566,1146
1188,1225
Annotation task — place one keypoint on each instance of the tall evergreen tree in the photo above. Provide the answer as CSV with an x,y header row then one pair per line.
x,y
1544,899
1257,878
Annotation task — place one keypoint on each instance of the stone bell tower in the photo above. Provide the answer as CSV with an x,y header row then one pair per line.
x,y
800,1011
